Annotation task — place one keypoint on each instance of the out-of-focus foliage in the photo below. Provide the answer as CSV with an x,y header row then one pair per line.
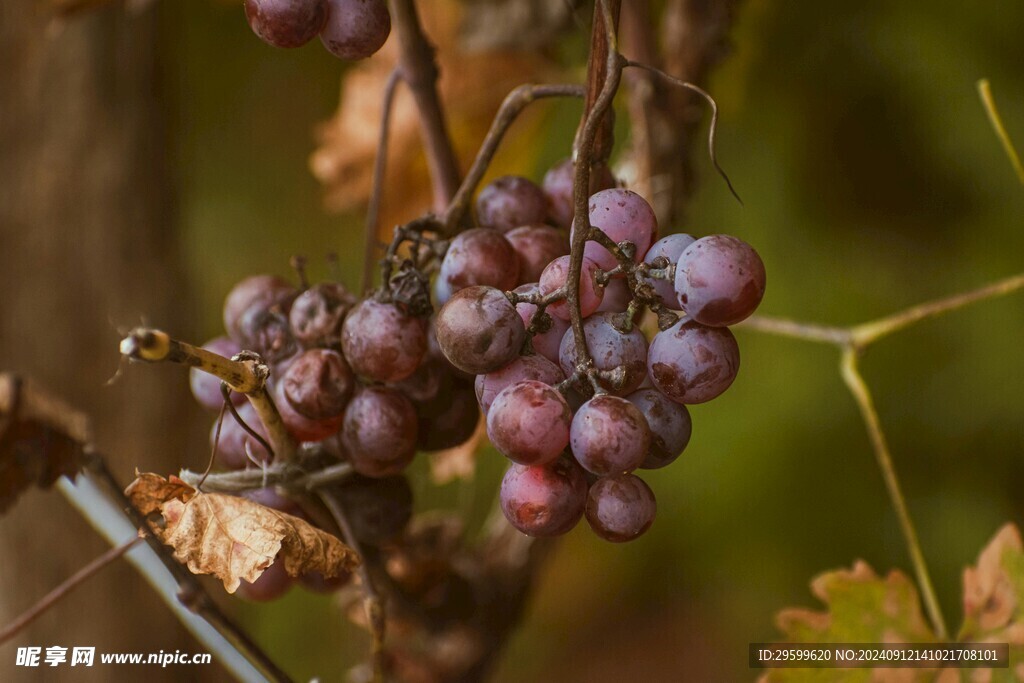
x,y
871,181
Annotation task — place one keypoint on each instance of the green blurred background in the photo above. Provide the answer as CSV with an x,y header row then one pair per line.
x,y
871,180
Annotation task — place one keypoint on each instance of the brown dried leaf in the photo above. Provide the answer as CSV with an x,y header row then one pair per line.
x,y
41,438
235,538
347,144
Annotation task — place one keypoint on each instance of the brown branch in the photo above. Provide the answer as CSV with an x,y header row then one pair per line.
x,y
379,167
419,71
61,591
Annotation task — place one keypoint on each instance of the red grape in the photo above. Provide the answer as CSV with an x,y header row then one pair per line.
x,y
479,330
303,428
381,342
534,367
623,215
261,291
317,313
286,23
611,349
669,247
379,432
558,187
450,419
318,384
609,435
693,363
544,500
536,246
477,257
234,441
356,29
509,202
620,508
529,422
555,276
720,280
669,423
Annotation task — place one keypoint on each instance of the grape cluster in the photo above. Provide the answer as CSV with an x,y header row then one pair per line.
x,y
349,29
576,427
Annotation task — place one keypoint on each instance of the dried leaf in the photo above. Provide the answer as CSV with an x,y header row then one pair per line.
x,y
347,144
235,538
41,438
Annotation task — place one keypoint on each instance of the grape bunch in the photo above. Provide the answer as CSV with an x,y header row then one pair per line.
x,y
576,427
349,29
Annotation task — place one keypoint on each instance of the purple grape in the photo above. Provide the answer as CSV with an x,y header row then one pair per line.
x,y
612,350
669,423
381,342
272,584
479,330
379,432
558,187
536,246
623,215
609,435
206,387
509,202
719,280
423,384
620,508
669,247
257,291
450,419
533,367
356,29
554,278
544,343
267,332
693,363
317,313
478,257
318,384
529,422
231,448
377,508
616,296
544,500
303,428
286,23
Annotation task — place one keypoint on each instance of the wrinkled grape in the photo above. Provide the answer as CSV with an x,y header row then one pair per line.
x,y
317,313
669,423
479,330
261,291
510,201
529,422
381,342
693,363
303,428
555,276
318,384
379,432
611,349
609,435
620,508
544,500
720,280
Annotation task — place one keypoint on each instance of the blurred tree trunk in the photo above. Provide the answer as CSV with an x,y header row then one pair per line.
x,y
86,246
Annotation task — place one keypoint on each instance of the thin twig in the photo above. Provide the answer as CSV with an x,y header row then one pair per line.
x,y
859,389
288,476
797,330
419,70
379,167
372,601
513,105
985,91
69,584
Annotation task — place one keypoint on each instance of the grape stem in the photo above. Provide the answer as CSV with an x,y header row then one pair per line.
x,y
245,373
376,190
286,475
853,342
418,67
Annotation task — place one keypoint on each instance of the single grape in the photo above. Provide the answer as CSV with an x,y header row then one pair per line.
x,y
536,246
262,291
558,187
612,350
719,280
450,419
554,278
235,442
356,29
545,343
609,435
267,332
381,342
206,387
534,367
317,313
529,422
616,296
378,509
379,432
670,247
303,428
479,330
318,384
620,508
286,23
544,500
478,257
669,423
272,584
425,383
509,202
623,215
693,363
